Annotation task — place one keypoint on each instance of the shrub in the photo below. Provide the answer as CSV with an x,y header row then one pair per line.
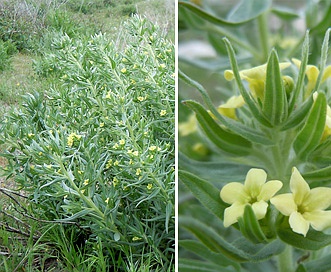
x,y
7,49
99,149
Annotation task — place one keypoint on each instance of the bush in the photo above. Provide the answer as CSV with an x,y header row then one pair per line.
x,y
99,149
7,49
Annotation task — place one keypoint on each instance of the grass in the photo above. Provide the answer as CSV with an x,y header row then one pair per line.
x,y
31,245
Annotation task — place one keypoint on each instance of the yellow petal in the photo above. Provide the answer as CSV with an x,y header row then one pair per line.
x,y
318,199
228,109
232,213
319,220
231,113
234,102
260,209
327,73
269,189
284,203
228,75
312,73
299,187
255,178
296,62
234,192
188,127
298,223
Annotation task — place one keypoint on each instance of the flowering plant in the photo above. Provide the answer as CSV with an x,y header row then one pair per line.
x,y
261,163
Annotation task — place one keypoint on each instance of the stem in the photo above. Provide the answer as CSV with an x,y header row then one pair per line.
x,y
285,260
264,36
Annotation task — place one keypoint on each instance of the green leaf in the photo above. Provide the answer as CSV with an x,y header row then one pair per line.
x,y
202,251
223,139
275,101
212,240
314,240
246,11
189,265
285,13
252,104
324,24
250,226
259,252
310,135
302,72
236,127
319,265
216,172
241,250
206,193
324,56
320,177
299,115
82,213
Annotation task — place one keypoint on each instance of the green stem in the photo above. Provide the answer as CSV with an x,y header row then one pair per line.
x,y
285,263
264,36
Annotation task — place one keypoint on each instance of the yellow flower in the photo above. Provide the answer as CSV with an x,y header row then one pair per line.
x,y
30,135
188,127
135,153
107,200
123,70
122,142
149,186
229,108
255,77
304,206
102,124
86,181
115,181
72,137
152,148
312,73
163,112
141,98
255,192
108,96
138,172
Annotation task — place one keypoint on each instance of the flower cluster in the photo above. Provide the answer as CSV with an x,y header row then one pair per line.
x,y
304,206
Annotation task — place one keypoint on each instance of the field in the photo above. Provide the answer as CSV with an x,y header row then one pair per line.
x,y
87,135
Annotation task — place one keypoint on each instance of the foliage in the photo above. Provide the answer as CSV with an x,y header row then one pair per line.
x,y
98,150
272,115
7,49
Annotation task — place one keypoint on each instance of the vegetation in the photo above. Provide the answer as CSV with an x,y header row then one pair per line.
x,y
88,151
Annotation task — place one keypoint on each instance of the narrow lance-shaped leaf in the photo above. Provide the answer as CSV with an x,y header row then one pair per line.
x,y
250,226
206,193
311,133
247,10
319,265
223,139
324,56
252,104
275,101
314,240
241,129
299,115
203,252
211,239
302,71
320,177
